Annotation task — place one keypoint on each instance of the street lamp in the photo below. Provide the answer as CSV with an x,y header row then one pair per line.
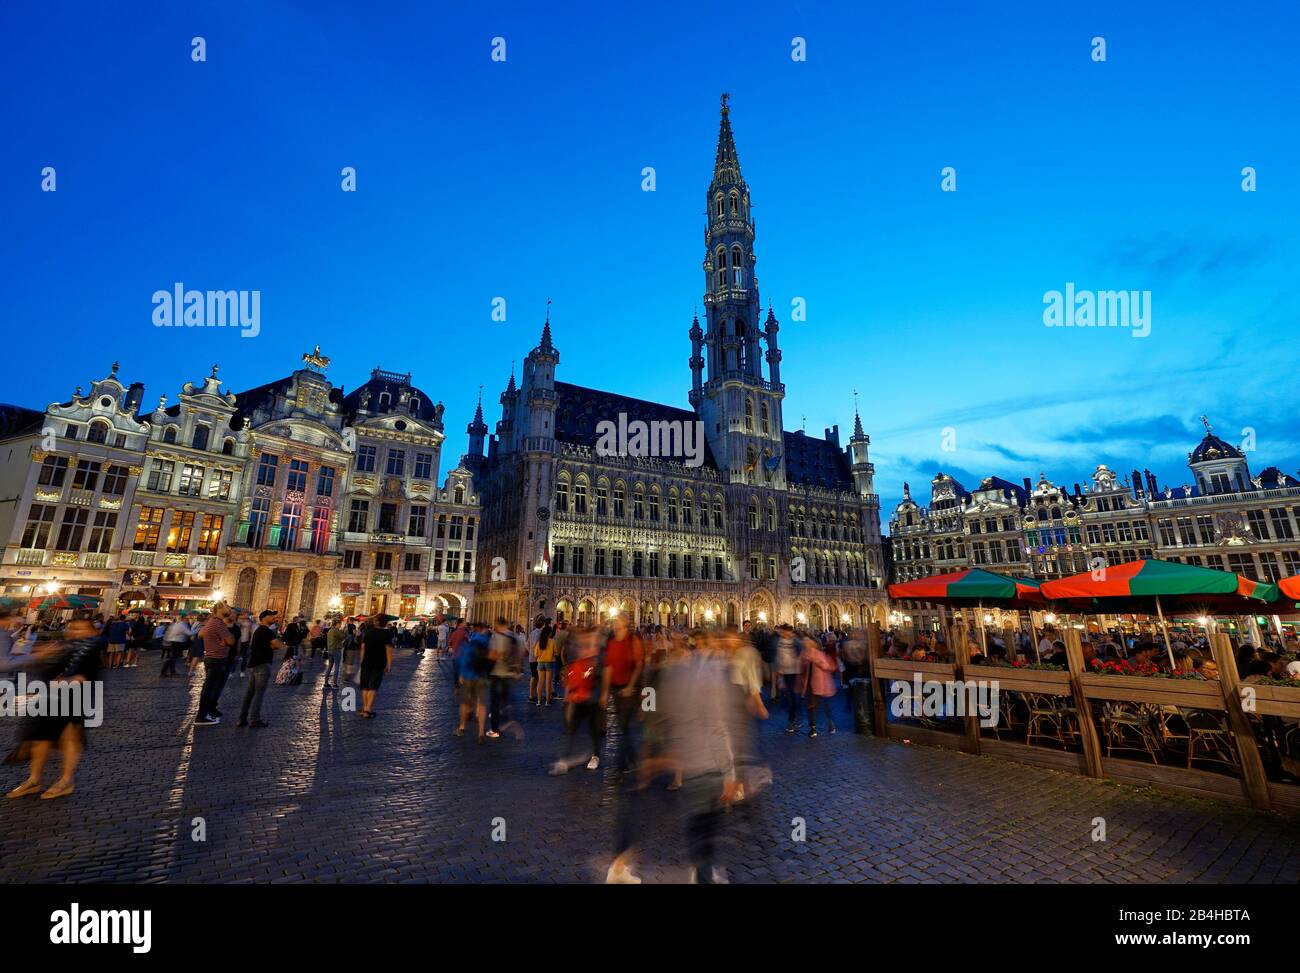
x,y
708,614
50,587
844,618
1050,618
336,603
762,616
803,617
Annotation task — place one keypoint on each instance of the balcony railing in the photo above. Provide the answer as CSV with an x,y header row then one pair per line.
x,y
30,556
94,561
142,559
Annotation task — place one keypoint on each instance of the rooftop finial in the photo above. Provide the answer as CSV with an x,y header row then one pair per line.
x,y
1206,421
214,370
726,97
548,310
116,366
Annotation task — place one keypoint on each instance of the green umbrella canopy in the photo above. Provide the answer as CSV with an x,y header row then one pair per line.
x,y
971,588
1136,585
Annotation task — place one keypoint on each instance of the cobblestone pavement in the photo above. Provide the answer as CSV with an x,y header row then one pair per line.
x,y
323,795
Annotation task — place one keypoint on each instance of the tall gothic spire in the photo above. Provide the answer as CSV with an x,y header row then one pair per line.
x,y
726,168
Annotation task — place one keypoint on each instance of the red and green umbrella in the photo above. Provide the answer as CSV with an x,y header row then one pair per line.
x,y
1137,585
972,588
62,601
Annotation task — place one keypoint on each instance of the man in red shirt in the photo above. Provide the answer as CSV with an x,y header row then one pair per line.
x,y
217,641
624,661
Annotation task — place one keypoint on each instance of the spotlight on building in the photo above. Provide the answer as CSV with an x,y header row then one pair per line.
x,y
762,616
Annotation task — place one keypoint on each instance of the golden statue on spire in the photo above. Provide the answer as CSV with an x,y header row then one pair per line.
x,y
315,360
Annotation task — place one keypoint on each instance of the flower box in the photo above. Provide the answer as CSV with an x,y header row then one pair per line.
x,y
1157,690
905,669
1276,700
1055,682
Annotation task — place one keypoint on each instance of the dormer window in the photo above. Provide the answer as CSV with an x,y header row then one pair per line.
x,y
415,405
201,435
169,434
97,432
385,400
228,447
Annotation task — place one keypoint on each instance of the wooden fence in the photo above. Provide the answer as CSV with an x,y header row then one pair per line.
x,y
1075,692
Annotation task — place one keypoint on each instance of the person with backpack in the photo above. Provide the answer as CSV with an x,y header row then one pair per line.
x,y
507,667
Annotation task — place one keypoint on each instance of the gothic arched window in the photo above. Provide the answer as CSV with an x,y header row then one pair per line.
x,y
749,414
735,203
762,415
721,212
735,266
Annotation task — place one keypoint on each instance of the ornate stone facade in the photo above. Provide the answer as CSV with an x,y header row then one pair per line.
x,y
758,523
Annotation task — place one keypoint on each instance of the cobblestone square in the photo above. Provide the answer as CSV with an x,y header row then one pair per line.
x,y
324,796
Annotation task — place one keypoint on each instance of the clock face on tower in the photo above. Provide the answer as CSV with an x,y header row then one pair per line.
x,y
543,513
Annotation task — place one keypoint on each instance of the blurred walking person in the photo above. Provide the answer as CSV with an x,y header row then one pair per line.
x,y
74,660
787,670
621,675
817,684
175,641
507,667
582,681
699,703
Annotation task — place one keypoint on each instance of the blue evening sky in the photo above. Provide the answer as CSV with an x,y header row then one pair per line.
x,y
522,179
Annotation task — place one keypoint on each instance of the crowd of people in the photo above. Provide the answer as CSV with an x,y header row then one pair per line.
x,y
664,705
671,705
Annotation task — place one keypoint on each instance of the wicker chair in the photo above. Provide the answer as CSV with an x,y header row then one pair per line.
x,y
1127,726
1208,731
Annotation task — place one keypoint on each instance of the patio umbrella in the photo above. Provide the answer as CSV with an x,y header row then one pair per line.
x,y
63,601
972,588
1138,586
